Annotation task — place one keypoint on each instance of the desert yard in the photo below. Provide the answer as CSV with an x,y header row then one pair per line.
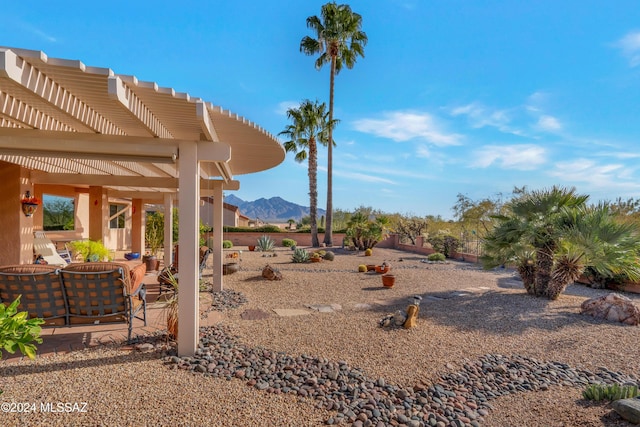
x,y
477,332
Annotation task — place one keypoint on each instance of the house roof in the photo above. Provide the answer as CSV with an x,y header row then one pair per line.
x,y
79,125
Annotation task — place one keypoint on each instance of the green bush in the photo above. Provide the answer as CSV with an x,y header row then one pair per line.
x,y
300,255
436,257
227,244
445,245
287,243
89,250
613,392
17,332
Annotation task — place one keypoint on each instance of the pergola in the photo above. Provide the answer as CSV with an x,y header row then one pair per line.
x,y
65,123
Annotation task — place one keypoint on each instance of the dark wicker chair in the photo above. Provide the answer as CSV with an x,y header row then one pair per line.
x,y
42,293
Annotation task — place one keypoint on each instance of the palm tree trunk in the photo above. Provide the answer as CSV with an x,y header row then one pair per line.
x,y
313,192
328,233
544,267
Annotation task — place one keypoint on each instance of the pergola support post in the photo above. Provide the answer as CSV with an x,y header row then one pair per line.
x,y
218,224
168,229
189,202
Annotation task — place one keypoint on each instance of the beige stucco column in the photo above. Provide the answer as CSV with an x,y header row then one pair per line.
x,y
137,226
168,229
17,230
98,213
189,203
218,224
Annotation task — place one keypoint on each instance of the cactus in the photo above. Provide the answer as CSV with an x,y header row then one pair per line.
x,y
613,392
300,255
368,252
227,244
265,243
329,256
362,268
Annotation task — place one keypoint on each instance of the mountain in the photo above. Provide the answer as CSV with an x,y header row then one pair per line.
x,y
275,209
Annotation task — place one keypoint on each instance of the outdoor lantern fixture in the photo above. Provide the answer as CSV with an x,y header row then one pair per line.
x,y
29,204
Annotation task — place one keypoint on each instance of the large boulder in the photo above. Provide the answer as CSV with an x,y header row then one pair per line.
x,y
613,307
629,409
271,273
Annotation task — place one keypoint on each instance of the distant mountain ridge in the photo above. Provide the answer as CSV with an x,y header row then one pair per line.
x,y
275,209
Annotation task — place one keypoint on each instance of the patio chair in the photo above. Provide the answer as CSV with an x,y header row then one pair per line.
x,y
163,276
42,293
45,249
105,292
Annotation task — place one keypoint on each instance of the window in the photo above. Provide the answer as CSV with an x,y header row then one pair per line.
x,y
117,215
58,212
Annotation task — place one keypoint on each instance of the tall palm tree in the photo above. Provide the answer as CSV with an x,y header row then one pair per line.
x,y
339,41
309,126
552,235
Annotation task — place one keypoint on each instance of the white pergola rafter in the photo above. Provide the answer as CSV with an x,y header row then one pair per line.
x,y
29,117
134,105
85,118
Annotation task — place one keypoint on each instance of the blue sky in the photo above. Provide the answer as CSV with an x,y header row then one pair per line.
x,y
452,96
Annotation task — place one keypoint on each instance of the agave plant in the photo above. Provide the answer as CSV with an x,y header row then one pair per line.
x,y
265,243
300,255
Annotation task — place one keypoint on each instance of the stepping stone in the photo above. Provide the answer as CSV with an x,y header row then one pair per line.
x,y
254,314
362,306
383,302
323,308
432,298
288,312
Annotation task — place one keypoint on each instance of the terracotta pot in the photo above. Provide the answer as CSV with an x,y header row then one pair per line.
x,y
230,268
152,262
371,267
315,259
252,248
388,280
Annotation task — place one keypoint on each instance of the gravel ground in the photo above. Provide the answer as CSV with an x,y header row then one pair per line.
x,y
465,314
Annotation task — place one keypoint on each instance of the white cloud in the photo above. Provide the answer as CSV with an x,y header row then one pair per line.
x,y
286,105
38,32
549,123
606,176
363,177
480,116
404,126
630,46
520,157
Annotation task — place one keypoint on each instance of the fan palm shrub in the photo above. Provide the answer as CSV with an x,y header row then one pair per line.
x,y
552,235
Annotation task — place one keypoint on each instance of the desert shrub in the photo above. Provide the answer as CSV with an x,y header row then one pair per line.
x,y
329,256
368,252
287,243
265,243
445,245
89,250
436,257
227,244
362,268
300,255
613,392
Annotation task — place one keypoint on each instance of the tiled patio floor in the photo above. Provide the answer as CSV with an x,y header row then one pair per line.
x,y
63,339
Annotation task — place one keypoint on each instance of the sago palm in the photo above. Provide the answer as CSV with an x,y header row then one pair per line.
x,y
309,127
339,40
